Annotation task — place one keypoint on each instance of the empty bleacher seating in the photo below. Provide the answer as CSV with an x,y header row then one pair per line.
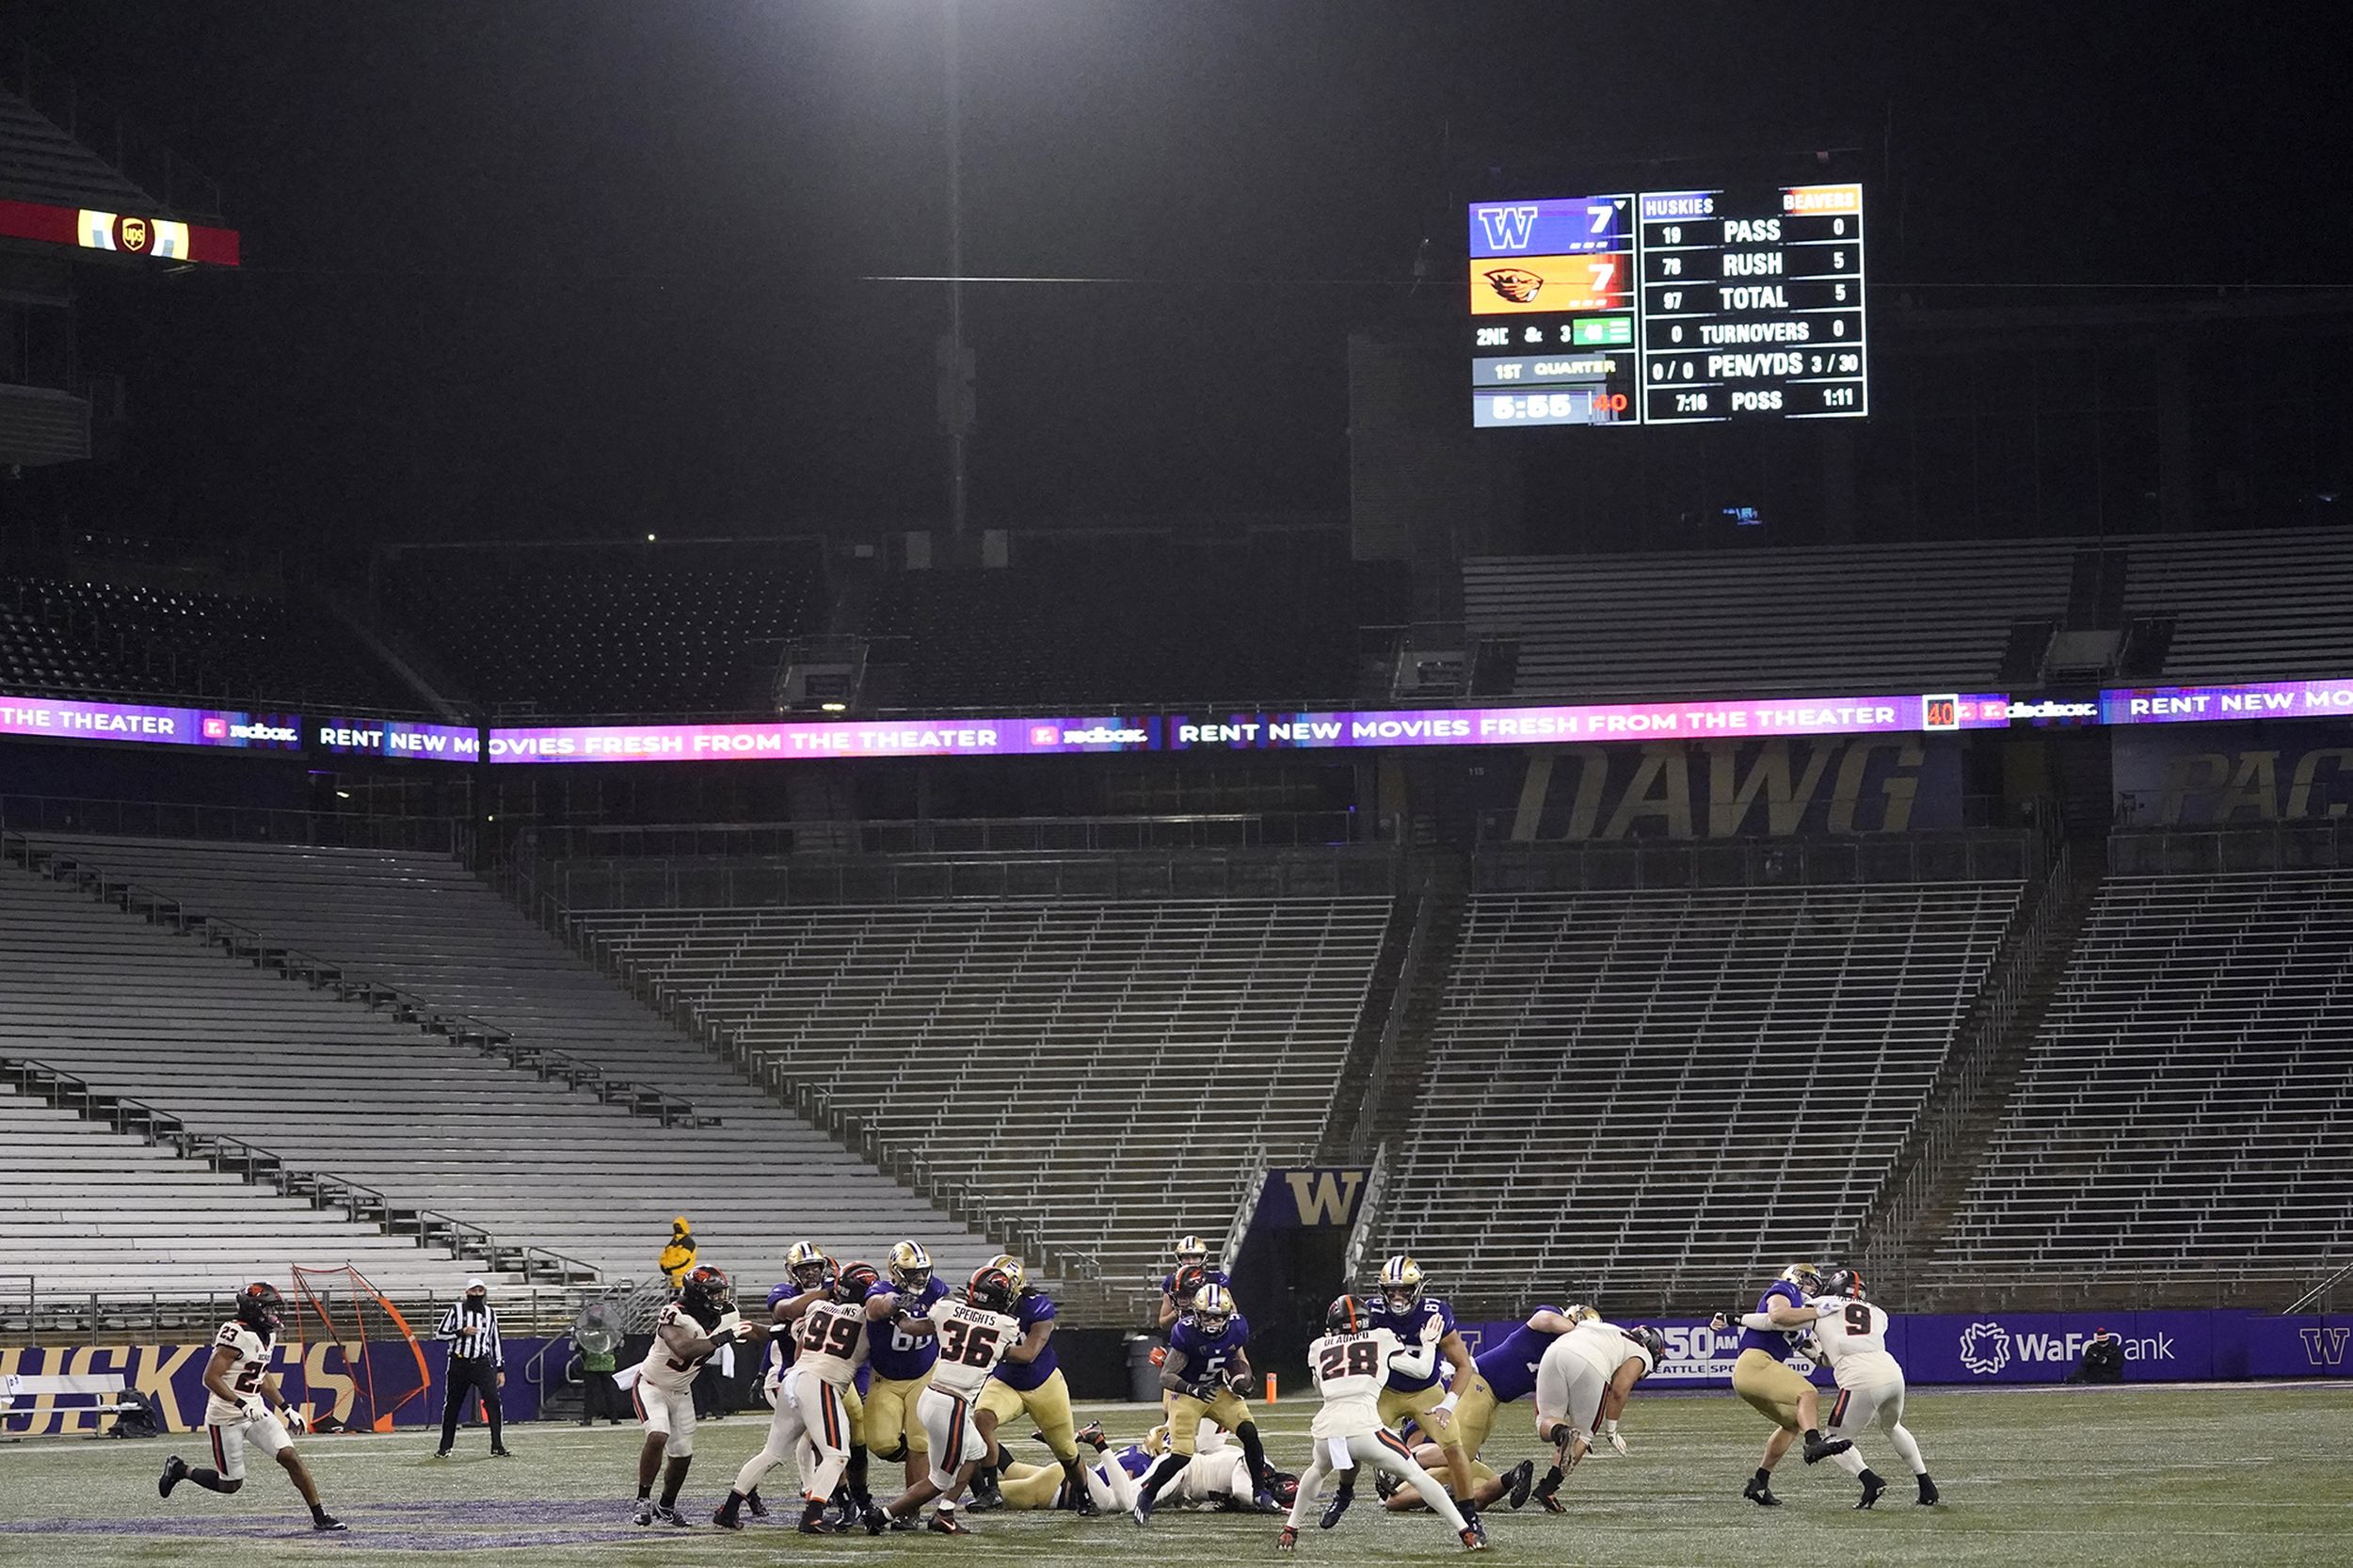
x,y
1658,1093
2268,605
1105,1073
433,1124
2188,1105
1914,617
76,634
85,1210
644,629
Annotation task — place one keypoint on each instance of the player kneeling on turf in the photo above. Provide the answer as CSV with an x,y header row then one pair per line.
x,y
1350,1364
245,1405
1851,1337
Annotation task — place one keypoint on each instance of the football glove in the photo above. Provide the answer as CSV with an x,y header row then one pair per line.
x,y
297,1420
253,1408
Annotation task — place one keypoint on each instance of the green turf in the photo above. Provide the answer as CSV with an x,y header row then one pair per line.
x,y
2146,1477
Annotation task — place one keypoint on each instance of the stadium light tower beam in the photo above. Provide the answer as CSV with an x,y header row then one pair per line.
x,y
954,357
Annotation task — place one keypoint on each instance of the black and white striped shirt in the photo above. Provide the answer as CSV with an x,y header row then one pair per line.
x,y
472,1332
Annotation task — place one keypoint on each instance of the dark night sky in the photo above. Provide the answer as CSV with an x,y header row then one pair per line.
x,y
591,267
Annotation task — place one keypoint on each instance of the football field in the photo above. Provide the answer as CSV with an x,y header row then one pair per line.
x,y
2139,1476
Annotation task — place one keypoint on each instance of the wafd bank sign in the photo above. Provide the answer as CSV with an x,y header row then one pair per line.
x,y
2045,1347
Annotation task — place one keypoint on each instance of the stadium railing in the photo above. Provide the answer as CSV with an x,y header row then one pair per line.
x,y
576,840
151,819
1501,866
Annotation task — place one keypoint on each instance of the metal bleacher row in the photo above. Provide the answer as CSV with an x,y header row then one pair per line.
x,y
2255,605
2190,1098
1646,1094
338,1087
85,1209
1106,1072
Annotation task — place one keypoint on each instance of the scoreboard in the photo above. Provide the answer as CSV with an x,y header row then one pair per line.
x,y
1669,307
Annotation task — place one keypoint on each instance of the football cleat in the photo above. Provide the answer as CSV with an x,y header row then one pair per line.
x,y
1142,1513
753,1503
1548,1491
1083,1505
1401,1282
1336,1504
260,1307
910,1266
1287,1541
1928,1493
321,1520
175,1471
645,1513
668,1515
1384,1485
877,1520
728,1515
1872,1487
984,1491
1474,1535
1818,1448
1090,1434
905,1522
944,1522
1519,1482
1760,1492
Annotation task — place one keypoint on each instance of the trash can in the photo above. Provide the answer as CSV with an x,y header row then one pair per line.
x,y
1144,1376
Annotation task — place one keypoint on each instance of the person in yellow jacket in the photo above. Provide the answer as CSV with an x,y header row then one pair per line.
x,y
678,1257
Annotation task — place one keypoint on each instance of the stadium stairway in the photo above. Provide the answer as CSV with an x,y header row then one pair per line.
x,y
1953,1139
434,1124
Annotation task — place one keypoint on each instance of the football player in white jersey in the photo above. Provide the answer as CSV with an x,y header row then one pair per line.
x,y
245,1406
687,1333
1350,1365
812,1420
974,1335
1582,1382
1852,1338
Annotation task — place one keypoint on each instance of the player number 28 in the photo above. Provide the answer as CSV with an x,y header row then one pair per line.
x,y
1358,1358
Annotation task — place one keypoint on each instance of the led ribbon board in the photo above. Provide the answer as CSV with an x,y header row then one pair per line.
x,y
953,735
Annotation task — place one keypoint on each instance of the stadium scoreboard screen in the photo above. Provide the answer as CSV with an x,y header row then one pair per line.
x,y
1668,307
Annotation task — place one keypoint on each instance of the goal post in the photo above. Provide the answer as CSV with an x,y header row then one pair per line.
x,y
381,1358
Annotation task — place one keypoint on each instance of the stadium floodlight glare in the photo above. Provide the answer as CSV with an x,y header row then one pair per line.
x,y
833,707
649,539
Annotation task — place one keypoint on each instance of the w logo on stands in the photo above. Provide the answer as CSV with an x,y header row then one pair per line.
x,y
1325,1197
2325,1347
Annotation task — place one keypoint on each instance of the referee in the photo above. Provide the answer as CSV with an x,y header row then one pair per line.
x,y
477,1364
